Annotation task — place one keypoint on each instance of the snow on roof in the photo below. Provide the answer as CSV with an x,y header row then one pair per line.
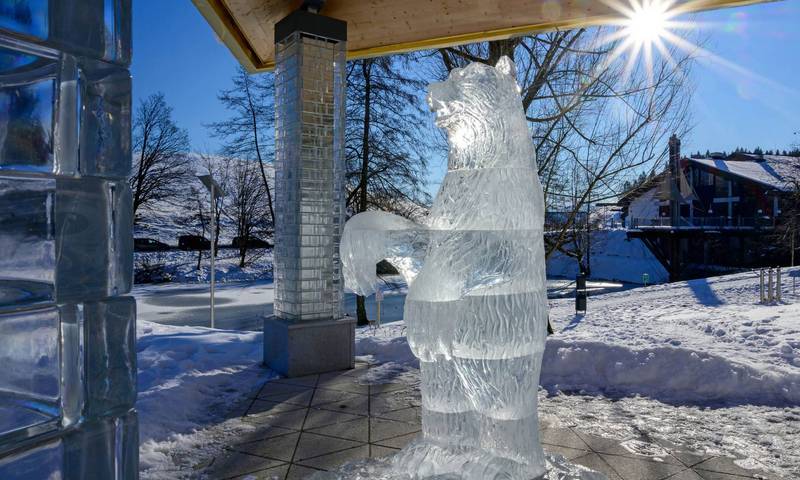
x,y
775,171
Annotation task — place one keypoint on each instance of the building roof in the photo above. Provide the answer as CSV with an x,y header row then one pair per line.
x,y
653,182
774,171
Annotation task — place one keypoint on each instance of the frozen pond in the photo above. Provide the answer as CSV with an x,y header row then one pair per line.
x,y
242,305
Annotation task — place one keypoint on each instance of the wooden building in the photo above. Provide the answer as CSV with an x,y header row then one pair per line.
x,y
706,215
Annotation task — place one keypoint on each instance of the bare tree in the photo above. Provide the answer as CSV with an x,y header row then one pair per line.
x,y
160,160
245,205
248,133
597,119
196,201
385,145
219,169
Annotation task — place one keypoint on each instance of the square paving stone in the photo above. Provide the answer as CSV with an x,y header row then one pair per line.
x,y
313,445
307,381
301,398
292,420
389,402
334,460
280,448
726,465
596,462
641,469
682,453
356,430
688,474
359,370
381,429
299,472
708,475
381,388
235,463
398,442
690,459
358,405
275,387
276,473
377,451
322,396
344,384
320,418
265,407
566,452
647,450
562,437
608,446
263,432
409,415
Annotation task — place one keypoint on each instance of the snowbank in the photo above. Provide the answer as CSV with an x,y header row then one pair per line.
x,y
701,341
670,374
613,257
190,378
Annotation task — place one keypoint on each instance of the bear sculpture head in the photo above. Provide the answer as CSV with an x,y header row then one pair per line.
x,y
480,109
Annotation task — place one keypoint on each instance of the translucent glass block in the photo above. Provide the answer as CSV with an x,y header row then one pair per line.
x,y
30,382
66,364
105,114
110,356
27,99
94,223
44,461
27,242
106,448
101,449
97,28
63,240
26,17
309,177
66,116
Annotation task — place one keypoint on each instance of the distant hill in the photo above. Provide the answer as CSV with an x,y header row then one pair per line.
x,y
165,220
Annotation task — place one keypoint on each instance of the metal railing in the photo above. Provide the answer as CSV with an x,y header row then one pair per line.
x,y
704,222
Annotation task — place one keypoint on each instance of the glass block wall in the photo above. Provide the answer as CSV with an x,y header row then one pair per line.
x,y
309,173
67,330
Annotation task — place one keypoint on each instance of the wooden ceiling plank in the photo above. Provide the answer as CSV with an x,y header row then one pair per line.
x,y
380,27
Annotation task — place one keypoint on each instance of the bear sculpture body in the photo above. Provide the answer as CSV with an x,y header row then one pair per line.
x,y
476,310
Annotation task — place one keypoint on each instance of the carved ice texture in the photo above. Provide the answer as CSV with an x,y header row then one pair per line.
x,y
476,309
67,333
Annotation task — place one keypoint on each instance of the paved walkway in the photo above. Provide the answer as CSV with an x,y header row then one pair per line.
x,y
322,421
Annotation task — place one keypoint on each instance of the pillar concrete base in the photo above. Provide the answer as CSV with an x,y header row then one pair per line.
x,y
297,348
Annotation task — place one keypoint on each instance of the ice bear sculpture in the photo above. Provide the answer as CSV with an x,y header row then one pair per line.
x,y
476,309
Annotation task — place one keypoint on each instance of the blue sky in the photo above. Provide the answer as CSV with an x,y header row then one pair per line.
x,y
176,52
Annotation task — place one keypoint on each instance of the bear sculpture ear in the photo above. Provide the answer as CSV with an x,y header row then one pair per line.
x,y
506,65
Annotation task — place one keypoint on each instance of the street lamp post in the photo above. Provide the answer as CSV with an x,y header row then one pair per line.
x,y
213,188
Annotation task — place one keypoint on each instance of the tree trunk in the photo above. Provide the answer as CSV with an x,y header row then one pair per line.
x,y
260,160
361,311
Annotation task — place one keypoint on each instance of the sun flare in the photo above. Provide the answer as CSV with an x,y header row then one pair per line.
x,y
648,23
645,29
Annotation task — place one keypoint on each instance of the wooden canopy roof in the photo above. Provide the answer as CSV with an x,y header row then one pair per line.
x,y
380,27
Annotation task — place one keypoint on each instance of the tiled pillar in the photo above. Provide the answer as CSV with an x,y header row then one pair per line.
x,y
307,333
67,330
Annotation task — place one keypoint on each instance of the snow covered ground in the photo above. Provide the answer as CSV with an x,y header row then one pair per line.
x,y
698,363
190,379
614,257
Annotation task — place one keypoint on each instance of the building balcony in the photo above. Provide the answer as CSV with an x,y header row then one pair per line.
x,y
705,223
